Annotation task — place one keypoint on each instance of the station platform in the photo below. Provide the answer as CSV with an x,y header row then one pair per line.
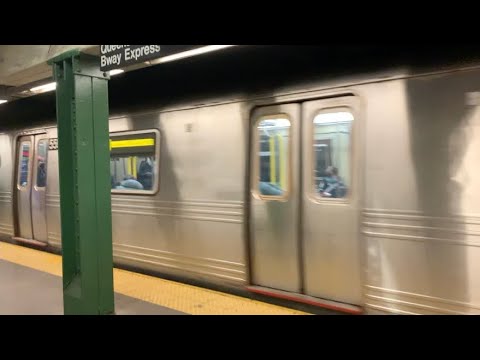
x,y
31,284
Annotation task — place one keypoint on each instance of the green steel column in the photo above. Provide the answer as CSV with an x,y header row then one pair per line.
x,y
85,185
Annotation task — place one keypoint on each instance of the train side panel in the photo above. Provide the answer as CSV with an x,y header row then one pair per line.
x,y
194,225
6,194
421,221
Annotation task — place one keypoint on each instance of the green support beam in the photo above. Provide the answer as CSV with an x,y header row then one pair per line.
x,y
85,185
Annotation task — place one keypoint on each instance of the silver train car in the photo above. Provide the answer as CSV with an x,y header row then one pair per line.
x,y
361,192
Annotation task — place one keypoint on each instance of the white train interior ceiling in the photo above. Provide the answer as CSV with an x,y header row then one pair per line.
x,y
398,234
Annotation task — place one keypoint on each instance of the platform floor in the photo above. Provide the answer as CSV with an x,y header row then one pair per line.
x,y
31,284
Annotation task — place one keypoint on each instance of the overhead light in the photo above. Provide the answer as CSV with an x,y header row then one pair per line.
x,y
333,118
116,72
276,123
44,88
190,53
3,101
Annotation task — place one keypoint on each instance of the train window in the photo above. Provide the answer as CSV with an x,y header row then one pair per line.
x,y
42,163
273,156
24,164
331,150
133,162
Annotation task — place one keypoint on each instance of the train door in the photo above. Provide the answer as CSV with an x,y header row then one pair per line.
x,y
305,200
275,200
30,188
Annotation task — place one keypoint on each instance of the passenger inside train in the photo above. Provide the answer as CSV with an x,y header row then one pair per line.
x,y
129,183
145,174
41,175
269,189
332,185
127,175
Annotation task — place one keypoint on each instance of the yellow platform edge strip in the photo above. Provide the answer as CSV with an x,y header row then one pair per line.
x,y
181,297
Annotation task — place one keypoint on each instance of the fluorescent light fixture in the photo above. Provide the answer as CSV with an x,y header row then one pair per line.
x,y
116,72
333,118
190,53
3,101
274,123
44,88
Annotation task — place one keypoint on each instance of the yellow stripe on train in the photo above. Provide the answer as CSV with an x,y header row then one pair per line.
x,y
119,144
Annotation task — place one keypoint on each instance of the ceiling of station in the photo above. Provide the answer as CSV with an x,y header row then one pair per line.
x,y
25,66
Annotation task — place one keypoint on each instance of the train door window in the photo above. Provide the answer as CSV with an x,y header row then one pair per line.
x,y
42,163
134,160
24,165
332,153
273,136
322,158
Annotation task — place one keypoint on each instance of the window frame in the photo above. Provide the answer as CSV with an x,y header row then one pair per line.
x,y
350,188
19,169
156,182
256,171
36,187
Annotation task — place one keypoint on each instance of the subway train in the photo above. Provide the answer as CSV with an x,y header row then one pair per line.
x,y
358,192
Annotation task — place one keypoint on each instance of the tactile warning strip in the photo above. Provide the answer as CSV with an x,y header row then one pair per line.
x,y
181,297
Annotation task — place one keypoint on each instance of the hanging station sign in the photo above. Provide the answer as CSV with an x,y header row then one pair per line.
x,y
119,56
